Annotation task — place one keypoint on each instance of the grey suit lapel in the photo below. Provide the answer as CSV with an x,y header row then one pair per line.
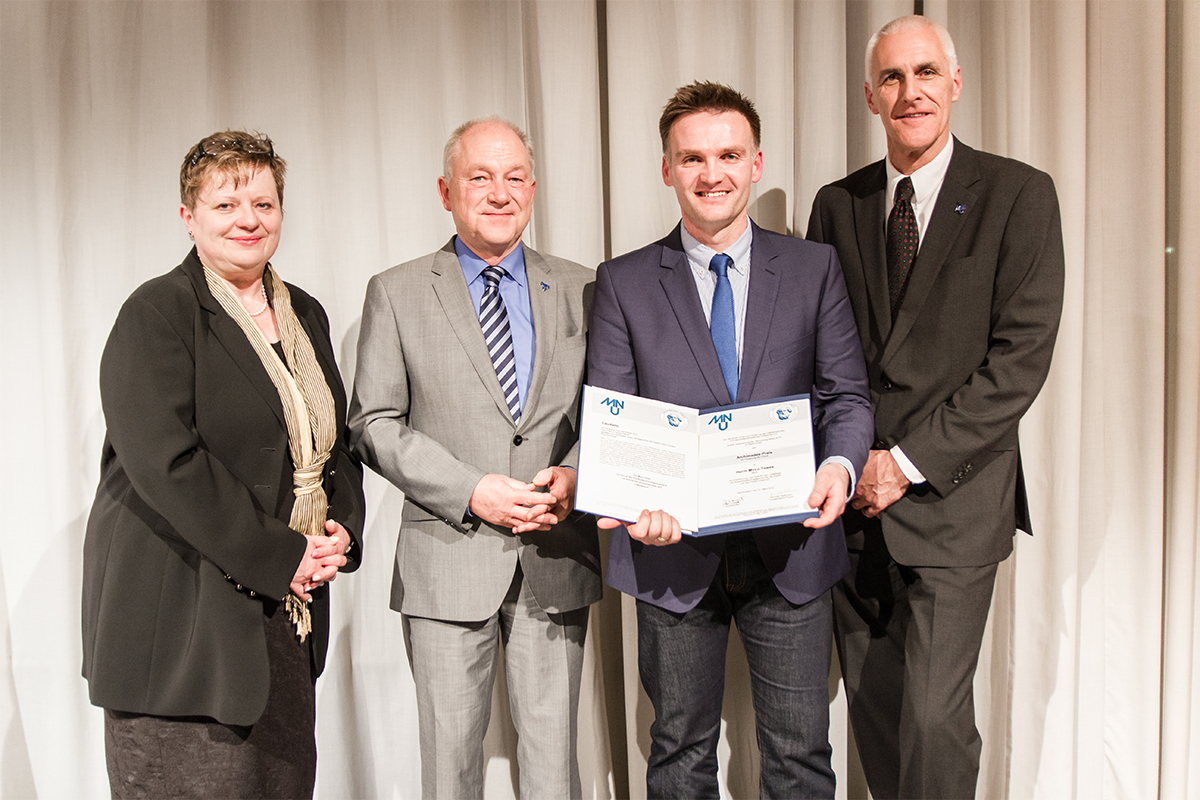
x,y
760,306
544,304
451,289
869,222
945,224
680,287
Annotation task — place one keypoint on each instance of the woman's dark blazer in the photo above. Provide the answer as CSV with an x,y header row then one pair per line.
x,y
194,498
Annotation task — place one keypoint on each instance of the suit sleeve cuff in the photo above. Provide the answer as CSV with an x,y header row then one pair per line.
x,y
845,462
907,467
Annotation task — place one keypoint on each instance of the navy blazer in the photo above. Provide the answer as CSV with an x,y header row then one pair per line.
x,y
648,337
195,486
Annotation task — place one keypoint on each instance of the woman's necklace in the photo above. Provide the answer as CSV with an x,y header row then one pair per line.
x,y
265,304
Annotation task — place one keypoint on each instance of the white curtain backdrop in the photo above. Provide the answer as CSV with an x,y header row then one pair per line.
x,y
1089,682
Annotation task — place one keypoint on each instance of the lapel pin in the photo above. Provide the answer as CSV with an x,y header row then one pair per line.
x,y
960,208
545,286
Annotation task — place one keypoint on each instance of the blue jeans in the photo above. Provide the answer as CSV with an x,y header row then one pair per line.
x,y
681,659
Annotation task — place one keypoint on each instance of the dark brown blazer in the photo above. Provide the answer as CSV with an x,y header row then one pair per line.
x,y
194,498
969,351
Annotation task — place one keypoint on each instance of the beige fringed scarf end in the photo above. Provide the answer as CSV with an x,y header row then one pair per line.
x,y
299,615
308,517
308,409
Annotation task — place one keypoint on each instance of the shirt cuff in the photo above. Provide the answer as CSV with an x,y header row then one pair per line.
x,y
845,462
907,467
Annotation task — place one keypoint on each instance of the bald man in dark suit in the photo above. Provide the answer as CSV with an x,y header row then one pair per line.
x,y
953,261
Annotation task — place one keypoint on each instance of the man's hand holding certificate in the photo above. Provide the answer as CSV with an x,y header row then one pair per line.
x,y
732,468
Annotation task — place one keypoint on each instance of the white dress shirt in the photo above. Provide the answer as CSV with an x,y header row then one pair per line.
x,y
927,185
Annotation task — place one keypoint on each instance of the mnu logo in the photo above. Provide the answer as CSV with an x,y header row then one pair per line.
x,y
614,405
722,420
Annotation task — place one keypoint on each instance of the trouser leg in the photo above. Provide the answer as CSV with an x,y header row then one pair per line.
x,y
681,660
908,640
870,622
788,648
454,668
543,655
939,742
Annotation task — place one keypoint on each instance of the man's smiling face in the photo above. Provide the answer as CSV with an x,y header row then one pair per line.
x,y
711,163
490,190
911,89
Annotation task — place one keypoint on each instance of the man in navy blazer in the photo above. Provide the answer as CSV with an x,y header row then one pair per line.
x,y
956,352
790,331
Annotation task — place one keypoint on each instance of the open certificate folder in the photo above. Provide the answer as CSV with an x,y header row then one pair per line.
x,y
725,469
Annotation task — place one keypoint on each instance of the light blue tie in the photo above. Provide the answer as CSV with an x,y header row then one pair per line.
x,y
722,327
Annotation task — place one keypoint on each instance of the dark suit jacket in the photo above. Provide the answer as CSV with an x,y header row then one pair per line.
x,y
195,486
648,337
970,348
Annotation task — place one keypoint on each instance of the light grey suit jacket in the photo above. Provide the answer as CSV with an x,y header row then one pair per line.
x,y
429,416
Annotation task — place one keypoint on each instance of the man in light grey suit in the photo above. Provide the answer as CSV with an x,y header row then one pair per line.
x,y
466,397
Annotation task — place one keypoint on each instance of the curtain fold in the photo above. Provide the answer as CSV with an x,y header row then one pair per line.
x,y
1180,749
1088,680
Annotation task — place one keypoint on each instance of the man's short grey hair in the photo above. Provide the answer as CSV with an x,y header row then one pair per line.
x,y
912,22
450,152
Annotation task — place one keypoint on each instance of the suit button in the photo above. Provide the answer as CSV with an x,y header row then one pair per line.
x,y
518,439
887,385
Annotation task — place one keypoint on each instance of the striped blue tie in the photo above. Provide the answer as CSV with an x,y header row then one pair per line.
x,y
498,337
724,334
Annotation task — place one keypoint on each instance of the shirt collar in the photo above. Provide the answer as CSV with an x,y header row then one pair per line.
x,y
699,255
925,180
473,265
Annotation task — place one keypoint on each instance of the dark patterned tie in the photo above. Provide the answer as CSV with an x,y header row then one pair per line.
x,y
901,243
498,336
722,326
